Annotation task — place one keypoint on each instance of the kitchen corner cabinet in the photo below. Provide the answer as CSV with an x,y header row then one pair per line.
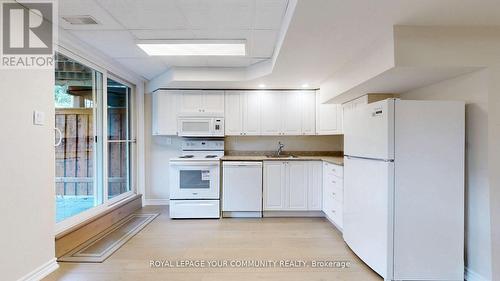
x,y
292,185
164,112
206,102
328,118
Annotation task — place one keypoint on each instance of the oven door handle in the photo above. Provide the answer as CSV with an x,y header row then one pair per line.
x,y
195,164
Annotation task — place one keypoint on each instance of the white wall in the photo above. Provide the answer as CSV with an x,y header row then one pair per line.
x,y
473,89
27,172
158,150
494,165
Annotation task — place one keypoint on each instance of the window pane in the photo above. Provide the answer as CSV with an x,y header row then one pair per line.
x,y
75,92
118,121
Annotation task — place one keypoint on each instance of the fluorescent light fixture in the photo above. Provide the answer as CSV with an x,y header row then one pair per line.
x,y
193,47
305,85
262,85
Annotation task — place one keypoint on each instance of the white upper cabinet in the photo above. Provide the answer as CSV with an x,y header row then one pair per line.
x,y
291,113
233,123
242,113
271,113
254,113
213,102
251,113
191,102
328,118
308,107
288,113
164,112
198,102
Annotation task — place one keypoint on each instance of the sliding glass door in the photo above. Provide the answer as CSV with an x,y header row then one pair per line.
x,y
94,143
119,138
77,91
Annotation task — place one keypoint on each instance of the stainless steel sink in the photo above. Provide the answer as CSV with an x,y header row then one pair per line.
x,y
284,156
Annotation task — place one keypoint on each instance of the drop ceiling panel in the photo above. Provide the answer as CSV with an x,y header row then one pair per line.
x,y
138,14
263,43
86,8
112,43
221,14
269,13
144,34
124,22
146,67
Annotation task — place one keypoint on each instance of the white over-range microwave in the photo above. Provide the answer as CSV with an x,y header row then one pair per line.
x,y
201,126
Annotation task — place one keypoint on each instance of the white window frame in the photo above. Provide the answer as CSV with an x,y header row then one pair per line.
x,y
72,221
133,157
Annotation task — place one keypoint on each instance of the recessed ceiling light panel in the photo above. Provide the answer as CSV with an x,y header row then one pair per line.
x,y
194,47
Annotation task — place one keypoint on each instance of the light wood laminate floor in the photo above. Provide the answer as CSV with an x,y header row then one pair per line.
x,y
226,239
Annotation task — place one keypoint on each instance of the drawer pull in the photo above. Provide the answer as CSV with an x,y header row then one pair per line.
x,y
333,211
334,182
333,193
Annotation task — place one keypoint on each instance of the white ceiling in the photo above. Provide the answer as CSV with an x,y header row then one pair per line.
x,y
123,22
323,36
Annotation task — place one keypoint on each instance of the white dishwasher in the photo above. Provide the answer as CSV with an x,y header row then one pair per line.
x,y
242,189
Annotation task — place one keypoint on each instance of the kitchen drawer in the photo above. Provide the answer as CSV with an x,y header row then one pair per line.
x,y
338,214
181,209
334,211
332,169
334,194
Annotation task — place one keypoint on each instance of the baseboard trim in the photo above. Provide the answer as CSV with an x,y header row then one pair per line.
x,y
285,214
228,214
41,272
152,202
471,275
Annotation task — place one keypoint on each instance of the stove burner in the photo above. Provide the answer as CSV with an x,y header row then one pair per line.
x,y
186,156
210,156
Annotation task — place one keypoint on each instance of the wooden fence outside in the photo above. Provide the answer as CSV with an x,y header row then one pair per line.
x,y
75,155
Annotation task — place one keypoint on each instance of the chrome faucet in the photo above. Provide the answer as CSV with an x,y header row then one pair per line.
x,y
280,148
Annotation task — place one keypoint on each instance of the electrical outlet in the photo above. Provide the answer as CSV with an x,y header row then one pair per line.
x,y
38,118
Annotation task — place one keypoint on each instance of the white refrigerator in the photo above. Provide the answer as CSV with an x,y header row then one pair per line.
x,y
404,188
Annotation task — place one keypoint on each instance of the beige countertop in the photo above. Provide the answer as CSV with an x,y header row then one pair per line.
x,y
337,160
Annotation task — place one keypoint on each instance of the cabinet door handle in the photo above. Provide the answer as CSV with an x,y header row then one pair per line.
x,y
334,182
333,211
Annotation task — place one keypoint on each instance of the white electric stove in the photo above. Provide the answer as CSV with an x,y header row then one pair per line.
x,y
195,179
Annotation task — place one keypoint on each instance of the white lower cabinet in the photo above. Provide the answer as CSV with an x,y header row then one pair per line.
x,y
274,185
296,186
315,186
333,193
292,186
